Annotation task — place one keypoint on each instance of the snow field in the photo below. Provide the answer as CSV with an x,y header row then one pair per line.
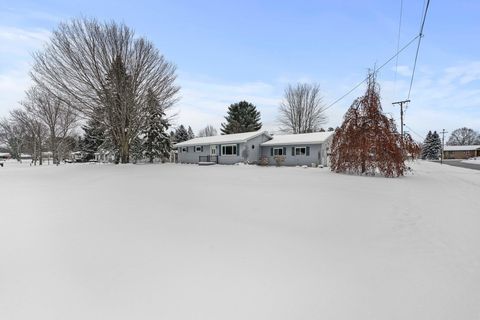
x,y
237,242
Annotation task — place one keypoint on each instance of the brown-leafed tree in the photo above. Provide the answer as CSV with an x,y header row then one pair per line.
x,y
367,142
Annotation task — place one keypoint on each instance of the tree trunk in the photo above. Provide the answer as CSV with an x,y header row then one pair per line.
x,y
124,150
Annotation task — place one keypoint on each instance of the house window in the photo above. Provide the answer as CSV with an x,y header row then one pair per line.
x,y
278,152
300,151
229,150
198,149
253,146
184,149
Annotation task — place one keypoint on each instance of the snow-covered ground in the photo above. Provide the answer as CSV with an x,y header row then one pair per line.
x,y
237,242
475,160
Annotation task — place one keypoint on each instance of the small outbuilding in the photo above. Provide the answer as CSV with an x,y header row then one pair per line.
x,y
461,152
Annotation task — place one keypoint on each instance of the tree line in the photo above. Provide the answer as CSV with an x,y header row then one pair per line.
x,y
118,88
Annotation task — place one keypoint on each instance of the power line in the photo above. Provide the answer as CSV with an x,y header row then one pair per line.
x,y
420,36
376,71
418,135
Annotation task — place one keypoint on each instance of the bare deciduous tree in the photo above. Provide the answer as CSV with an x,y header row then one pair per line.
x,y
13,136
463,137
302,110
35,132
208,131
59,117
103,65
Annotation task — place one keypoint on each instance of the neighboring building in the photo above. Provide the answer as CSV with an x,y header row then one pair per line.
x,y
223,149
5,155
298,149
461,152
255,147
104,155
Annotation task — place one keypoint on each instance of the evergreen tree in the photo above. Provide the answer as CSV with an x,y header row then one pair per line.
x,y
432,146
191,135
436,145
241,117
136,149
94,135
172,137
426,148
181,134
156,143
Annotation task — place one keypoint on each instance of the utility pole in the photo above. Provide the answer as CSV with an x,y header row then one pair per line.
x,y
443,143
401,103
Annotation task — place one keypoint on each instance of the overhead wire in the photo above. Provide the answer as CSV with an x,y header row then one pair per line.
x,y
418,135
376,71
420,36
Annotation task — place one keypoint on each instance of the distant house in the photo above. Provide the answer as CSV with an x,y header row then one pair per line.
x,y
461,152
298,149
255,147
5,155
224,149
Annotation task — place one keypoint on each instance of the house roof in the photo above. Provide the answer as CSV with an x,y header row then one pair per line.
x,y
226,138
301,138
461,148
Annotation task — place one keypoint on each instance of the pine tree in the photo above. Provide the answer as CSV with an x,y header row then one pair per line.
x,y
172,137
432,146
241,117
181,134
427,146
94,135
136,149
436,145
156,141
191,135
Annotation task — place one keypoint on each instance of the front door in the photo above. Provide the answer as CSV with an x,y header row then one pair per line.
x,y
213,150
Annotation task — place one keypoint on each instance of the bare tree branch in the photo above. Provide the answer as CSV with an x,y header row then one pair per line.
x,y
302,110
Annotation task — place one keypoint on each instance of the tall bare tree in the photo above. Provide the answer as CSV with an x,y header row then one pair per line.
x,y
103,65
208,131
13,136
302,109
59,117
463,137
35,132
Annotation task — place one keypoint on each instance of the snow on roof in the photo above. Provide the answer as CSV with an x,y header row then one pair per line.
x,y
301,138
461,148
226,138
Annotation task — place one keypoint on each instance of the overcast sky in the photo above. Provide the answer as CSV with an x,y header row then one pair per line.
x,y
227,51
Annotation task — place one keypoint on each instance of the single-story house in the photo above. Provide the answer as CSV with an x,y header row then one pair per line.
x,y
257,147
223,149
298,149
461,152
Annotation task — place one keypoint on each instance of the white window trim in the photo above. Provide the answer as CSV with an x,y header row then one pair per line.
x,y
278,154
228,145
300,154
199,149
184,149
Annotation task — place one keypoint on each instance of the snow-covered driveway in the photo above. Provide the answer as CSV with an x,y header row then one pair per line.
x,y
237,242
